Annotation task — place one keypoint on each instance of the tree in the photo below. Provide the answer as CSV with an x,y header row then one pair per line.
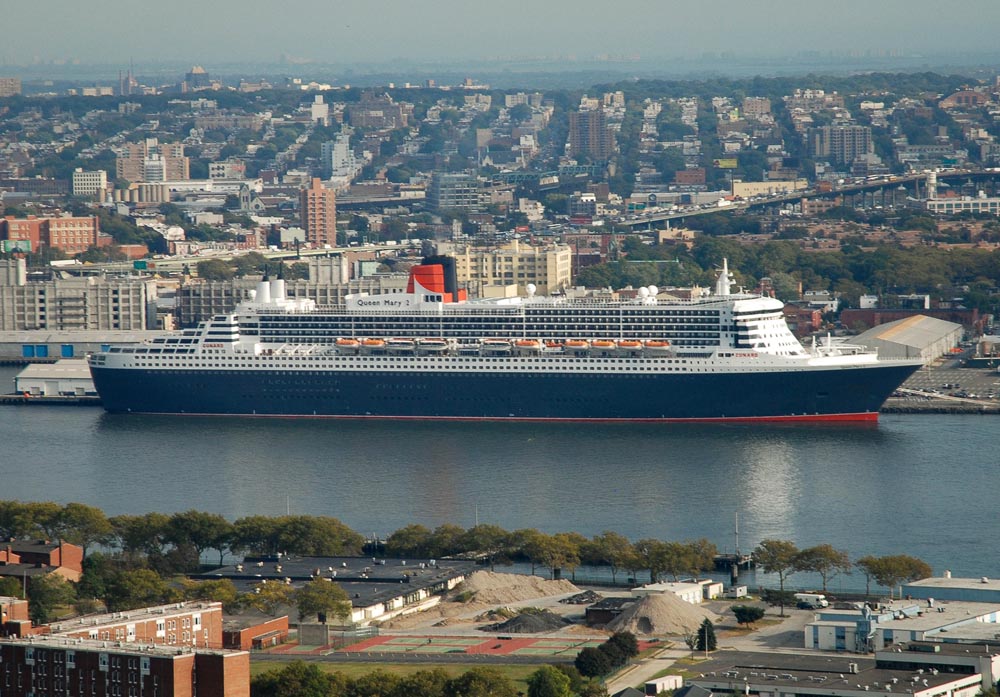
x,y
481,681
11,587
322,596
548,681
519,113
488,540
706,636
297,679
825,561
777,557
45,594
868,565
894,570
42,517
84,525
256,534
320,536
612,549
627,642
426,683
138,535
747,614
214,270
269,596
201,530
592,662
410,541
137,588
377,683
12,519
220,590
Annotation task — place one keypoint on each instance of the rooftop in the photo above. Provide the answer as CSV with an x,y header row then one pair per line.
x,y
139,615
982,583
817,674
367,580
119,647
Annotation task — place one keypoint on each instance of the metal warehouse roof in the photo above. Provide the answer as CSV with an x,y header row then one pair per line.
x,y
918,331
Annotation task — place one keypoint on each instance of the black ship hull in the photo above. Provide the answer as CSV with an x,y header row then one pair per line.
x,y
836,394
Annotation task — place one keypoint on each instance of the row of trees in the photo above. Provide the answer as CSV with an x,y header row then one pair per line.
x,y
783,558
177,542
299,679
564,550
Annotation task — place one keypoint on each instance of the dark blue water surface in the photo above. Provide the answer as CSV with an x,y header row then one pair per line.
x,y
922,485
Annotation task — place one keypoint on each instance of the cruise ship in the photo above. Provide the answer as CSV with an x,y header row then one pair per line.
x,y
430,353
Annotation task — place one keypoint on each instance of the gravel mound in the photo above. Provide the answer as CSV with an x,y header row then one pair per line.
x,y
661,614
492,588
529,623
585,598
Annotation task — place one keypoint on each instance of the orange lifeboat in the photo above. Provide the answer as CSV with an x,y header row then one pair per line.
x,y
576,344
629,344
348,343
527,343
658,344
373,343
602,343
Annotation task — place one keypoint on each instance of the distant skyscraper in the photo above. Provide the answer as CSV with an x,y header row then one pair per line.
x,y
589,134
198,78
840,143
318,214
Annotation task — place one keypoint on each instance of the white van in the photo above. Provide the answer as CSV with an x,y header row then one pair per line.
x,y
811,600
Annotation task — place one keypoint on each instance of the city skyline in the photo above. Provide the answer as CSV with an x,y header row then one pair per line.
x,y
446,30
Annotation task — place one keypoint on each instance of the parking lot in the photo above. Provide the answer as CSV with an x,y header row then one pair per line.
x,y
946,379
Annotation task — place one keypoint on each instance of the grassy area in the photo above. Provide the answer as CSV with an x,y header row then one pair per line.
x,y
517,673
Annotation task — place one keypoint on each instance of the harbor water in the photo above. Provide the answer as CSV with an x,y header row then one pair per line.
x,y
923,485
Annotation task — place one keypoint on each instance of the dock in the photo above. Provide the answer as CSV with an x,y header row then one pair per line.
x,y
72,401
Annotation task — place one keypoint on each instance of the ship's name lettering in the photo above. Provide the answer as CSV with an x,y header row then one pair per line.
x,y
213,345
745,355
383,303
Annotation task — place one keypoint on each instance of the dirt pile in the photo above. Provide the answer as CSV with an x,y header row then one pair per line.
x,y
661,614
529,623
491,588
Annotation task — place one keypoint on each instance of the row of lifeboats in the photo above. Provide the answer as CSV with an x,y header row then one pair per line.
x,y
431,346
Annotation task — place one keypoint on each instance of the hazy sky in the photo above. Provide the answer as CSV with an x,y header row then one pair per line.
x,y
345,31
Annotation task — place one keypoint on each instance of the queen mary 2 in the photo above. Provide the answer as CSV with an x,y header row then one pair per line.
x,y
430,353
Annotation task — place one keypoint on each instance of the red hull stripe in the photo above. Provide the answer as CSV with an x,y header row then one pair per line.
x,y
865,417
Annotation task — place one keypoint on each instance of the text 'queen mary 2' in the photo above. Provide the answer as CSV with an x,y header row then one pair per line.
x,y
429,353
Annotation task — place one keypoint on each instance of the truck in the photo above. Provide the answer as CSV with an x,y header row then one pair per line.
x,y
811,601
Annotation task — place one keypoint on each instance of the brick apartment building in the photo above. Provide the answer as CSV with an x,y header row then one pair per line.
x,y
25,557
318,214
51,666
191,624
70,234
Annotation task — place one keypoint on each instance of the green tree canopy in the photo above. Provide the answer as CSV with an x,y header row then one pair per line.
x,y
322,596
777,557
548,681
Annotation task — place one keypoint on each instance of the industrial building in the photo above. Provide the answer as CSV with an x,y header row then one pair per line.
x,y
874,628
65,378
738,673
918,336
